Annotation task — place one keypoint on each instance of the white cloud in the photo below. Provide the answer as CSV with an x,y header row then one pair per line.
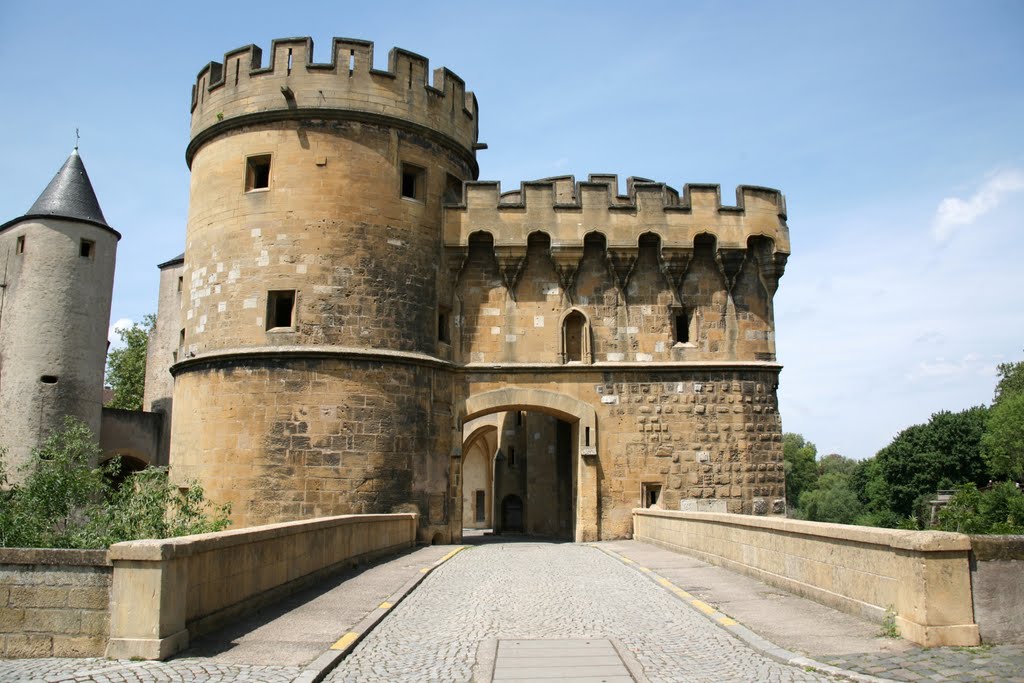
x,y
954,212
112,336
940,368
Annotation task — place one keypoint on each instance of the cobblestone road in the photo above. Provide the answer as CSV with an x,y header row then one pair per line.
x,y
92,670
534,590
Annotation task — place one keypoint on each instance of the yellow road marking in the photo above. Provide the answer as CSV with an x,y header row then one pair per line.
x,y
345,641
626,559
665,582
726,621
645,570
681,593
385,605
451,554
425,570
703,606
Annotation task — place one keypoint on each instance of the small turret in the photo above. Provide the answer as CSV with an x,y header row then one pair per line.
x,y
55,289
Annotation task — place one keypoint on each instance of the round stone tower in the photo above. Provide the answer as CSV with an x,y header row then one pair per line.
x,y
56,280
313,375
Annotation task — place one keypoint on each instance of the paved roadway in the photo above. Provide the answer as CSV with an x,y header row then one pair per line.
x,y
507,611
490,594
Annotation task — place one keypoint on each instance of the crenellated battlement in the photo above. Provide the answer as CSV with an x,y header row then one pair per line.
x,y
242,90
568,210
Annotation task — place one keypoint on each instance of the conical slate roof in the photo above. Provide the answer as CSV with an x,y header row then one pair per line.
x,y
70,194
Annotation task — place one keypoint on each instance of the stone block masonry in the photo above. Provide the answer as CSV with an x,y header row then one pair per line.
x,y
54,603
921,578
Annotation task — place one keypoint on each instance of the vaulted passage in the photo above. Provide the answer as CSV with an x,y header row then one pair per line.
x,y
518,475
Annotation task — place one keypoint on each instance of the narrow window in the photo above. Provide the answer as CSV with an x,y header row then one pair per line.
x,y
289,61
181,282
86,248
586,436
519,418
20,248
280,309
572,335
413,181
443,333
181,338
257,173
452,190
651,494
351,61
481,511
682,326
511,456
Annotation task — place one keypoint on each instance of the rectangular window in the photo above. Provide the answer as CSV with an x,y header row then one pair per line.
x,y
86,249
281,309
413,182
257,173
682,326
511,456
452,190
20,248
651,495
443,321
181,281
481,511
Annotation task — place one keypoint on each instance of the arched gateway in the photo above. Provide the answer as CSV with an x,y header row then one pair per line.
x,y
579,436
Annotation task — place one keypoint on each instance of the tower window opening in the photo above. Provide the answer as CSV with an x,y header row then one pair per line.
x,y
682,326
20,247
181,337
257,173
511,456
86,249
572,335
651,494
48,379
351,61
237,63
443,322
413,182
452,190
281,309
289,61
586,436
181,282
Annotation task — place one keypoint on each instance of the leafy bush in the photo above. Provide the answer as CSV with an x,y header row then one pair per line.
x,y
1000,510
64,502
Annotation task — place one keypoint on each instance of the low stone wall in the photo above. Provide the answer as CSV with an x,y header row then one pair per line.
x,y
166,590
922,576
997,579
53,603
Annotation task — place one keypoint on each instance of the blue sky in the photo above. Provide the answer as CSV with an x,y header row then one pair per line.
x,y
893,128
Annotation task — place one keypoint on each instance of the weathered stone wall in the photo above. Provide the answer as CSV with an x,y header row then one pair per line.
x,y
166,590
53,329
133,434
54,603
700,432
162,350
924,576
294,438
997,580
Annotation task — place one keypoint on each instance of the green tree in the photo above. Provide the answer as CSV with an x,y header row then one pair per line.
x,y
945,450
833,500
999,510
67,502
1011,380
126,366
1003,442
801,471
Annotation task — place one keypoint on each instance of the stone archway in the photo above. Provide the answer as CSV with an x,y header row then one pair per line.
x,y
583,420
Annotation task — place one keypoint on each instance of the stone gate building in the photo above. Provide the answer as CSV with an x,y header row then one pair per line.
x,y
358,324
